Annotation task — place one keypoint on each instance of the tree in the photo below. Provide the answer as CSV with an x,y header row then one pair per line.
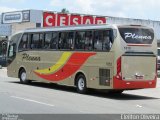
x,y
64,10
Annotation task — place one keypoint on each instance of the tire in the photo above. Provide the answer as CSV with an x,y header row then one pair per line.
x,y
23,77
81,84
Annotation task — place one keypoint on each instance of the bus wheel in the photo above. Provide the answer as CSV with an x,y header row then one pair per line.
x,y
23,76
81,84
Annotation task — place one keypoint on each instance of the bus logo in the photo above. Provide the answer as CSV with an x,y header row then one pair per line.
x,y
27,57
134,36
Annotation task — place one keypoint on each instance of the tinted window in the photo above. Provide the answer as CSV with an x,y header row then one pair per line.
x,y
84,40
41,40
137,35
48,37
24,42
53,43
102,40
10,51
16,38
66,40
34,41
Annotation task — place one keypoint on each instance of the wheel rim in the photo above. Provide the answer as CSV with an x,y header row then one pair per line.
x,y
23,76
81,84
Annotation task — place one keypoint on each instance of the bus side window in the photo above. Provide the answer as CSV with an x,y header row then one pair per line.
x,y
88,40
98,40
107,43
34,41
47,41
102,40
41,41
66,40
84,40
70,40
79,40
24,42
54,39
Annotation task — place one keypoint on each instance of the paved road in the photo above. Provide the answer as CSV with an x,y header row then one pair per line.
x,y
46,98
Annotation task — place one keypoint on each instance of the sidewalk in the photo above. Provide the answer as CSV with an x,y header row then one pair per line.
x,y
3,72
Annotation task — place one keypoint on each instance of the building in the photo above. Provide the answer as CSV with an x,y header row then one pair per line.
x,y
12,22
19,20
51,19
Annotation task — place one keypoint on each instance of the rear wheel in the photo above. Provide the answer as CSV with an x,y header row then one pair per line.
x,y
23,77
81,84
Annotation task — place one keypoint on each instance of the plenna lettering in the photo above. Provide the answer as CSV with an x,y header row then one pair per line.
x,y
134,36
30,58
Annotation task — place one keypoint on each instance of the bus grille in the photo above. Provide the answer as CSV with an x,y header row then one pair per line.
x,y
104,77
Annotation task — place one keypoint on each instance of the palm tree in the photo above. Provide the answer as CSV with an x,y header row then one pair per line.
x,y
64,10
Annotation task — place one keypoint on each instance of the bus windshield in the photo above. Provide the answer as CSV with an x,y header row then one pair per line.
x,y
132,35
12,47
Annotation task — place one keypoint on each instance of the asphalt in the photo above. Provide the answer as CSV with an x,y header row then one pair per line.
x,y
42,98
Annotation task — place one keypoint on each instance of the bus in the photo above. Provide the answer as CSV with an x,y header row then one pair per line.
x,y
104,57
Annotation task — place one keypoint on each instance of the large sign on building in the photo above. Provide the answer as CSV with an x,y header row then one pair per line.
x,y
16,17
59,19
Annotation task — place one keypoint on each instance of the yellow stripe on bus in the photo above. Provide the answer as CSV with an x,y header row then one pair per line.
x,y
65,56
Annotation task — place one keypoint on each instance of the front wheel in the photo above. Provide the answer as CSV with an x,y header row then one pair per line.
x,y
23,77
81,84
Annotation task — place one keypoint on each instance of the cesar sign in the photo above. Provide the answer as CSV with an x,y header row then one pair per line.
x,y
59,19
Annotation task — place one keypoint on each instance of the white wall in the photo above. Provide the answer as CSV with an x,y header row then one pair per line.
x,y
36,16
16,27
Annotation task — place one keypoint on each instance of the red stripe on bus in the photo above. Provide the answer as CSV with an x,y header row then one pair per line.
x,y
144,45
73,64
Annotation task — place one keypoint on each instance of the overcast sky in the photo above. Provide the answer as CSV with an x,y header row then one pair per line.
x,y
139,9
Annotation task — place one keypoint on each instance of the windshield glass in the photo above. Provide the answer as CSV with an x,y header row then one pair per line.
x,y
10,51
15,38
12,47
134,35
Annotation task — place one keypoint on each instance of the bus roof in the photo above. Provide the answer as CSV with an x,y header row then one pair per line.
x,y
77,27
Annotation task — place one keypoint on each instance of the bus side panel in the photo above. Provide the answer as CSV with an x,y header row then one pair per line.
x,y
23,63
50,65
101,70
12,69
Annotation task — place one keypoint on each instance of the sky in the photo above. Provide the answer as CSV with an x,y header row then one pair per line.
x,y
138,9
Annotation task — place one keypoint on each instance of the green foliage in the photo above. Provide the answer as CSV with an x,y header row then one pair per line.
x,y
64,10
